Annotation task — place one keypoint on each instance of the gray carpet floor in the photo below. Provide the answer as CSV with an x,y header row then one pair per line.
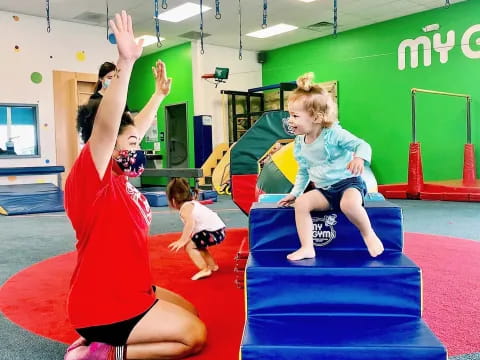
x,y
25,240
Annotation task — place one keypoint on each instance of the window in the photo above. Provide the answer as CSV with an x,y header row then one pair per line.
x,y
19,130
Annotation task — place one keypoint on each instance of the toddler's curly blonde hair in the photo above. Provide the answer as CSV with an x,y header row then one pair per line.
x,y
315,99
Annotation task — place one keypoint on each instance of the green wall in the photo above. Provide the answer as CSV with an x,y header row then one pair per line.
x,y
178,61
374,95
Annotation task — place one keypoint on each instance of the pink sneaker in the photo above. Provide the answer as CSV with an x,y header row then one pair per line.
x,y
79,350
79,342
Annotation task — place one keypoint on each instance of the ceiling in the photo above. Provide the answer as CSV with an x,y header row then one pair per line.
x,y
225,32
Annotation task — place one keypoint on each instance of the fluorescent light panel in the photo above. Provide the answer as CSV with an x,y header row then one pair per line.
x,y
307,1
148,39
272,31
182,12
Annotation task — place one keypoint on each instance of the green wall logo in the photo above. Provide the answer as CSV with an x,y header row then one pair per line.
x,y
443,48
323,230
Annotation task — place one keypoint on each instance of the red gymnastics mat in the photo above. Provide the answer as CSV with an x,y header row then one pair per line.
x,y
35,297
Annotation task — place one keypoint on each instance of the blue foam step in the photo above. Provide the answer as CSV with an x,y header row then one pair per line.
x,y
273,228
339,338
334,282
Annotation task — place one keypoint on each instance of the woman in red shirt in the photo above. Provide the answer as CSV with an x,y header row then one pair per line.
x,y
112,303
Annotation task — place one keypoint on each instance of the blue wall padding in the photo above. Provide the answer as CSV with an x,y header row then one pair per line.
x,y
208,195
333,337
31,198
273,228
340,282
31,170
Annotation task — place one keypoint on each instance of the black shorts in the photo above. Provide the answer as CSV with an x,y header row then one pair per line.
x,y
205,238
115,334
335,192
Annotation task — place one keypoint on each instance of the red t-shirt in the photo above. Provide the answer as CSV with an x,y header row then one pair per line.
x,y
112,280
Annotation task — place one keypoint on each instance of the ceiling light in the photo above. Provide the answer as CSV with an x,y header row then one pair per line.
x,y
307,1
272,31
182,12
148,39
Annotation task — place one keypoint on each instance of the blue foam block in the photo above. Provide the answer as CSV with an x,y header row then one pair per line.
x,y
23,199
155,198
208,195
316,337
348,282
273,228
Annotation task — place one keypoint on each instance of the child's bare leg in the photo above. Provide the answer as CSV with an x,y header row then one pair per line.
x,y
312,200
351,206
198,260
212,265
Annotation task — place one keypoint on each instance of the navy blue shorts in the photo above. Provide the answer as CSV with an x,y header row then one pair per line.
x,y
335,192
205,238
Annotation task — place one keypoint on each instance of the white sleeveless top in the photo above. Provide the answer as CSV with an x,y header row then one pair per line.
x,y
205,219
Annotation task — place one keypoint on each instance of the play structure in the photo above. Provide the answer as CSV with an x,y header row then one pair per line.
x,y
467,189
216,170
21,199
246,107
244,156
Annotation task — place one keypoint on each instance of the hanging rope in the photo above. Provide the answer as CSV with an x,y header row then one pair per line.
x,y
218,16
47,5
164,4
447,4
202,51
335,22
265,7
157,24
106,4
240,22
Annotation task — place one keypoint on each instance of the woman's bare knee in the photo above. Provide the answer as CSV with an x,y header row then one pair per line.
x,y
198,338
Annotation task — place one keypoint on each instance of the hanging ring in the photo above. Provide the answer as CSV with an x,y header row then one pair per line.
x,y
264,26
218,16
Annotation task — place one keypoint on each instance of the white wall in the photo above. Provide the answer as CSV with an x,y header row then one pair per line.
x,y
244,74
44,52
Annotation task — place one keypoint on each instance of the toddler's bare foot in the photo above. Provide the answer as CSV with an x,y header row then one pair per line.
x,y
202,274
374,245
302,253
213,267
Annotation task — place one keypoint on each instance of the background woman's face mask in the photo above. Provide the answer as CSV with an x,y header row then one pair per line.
x,y
106,83
132,162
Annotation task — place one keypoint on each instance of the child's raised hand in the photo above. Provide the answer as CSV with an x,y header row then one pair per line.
x,y
177,245
286,201
128,48
356,166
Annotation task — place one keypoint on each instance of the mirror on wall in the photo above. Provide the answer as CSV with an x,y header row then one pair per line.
x,y
19,130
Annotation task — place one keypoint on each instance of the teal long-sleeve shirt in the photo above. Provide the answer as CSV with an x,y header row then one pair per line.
x,y
325,160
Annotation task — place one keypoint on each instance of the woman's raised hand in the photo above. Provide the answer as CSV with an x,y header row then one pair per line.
x,y
128,48
162,83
